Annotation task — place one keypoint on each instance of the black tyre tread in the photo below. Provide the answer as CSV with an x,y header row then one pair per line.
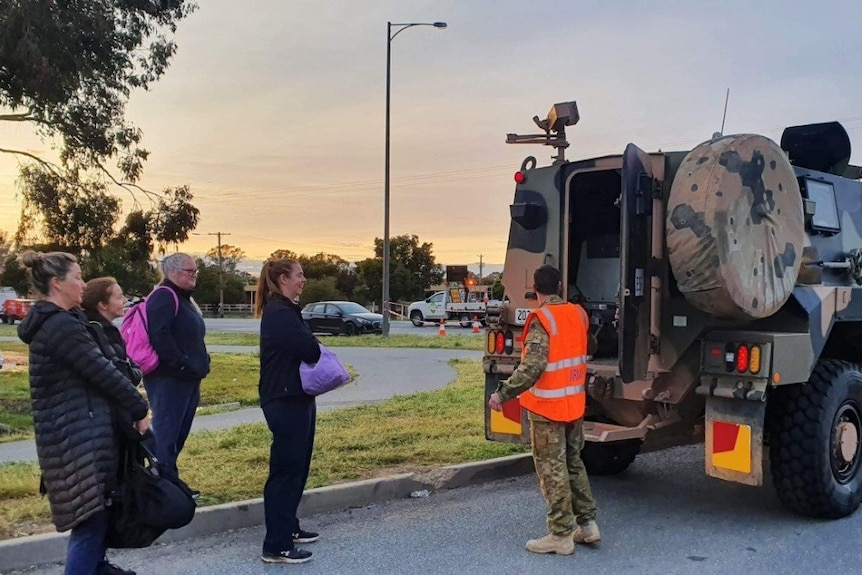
x,y
418,318
350,329
801,469
610,458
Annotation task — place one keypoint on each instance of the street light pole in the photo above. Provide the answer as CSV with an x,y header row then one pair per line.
x,y
389,37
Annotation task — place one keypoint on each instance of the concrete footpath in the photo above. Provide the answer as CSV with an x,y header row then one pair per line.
x,y
382,373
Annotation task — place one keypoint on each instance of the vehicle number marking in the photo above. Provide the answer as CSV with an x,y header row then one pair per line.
x,y
521,315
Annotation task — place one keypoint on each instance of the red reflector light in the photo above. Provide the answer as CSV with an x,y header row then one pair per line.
x,y
500,342
520,177
742,356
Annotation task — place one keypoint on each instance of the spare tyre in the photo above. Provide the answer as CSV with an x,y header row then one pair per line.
x,y
735,227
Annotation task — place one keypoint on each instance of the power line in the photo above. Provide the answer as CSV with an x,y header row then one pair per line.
x,y
342,188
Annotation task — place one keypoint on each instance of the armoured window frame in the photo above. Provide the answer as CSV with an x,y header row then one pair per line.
x,y
824,205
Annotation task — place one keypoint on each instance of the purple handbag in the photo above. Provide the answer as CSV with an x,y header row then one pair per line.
x,y
325,375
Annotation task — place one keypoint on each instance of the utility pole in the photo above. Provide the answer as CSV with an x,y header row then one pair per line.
x,y
481,267
220,271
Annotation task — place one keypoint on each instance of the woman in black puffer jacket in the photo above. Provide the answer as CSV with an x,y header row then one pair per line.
x,y
73,389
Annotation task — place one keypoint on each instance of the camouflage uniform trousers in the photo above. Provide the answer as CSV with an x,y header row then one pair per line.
x,y
562,475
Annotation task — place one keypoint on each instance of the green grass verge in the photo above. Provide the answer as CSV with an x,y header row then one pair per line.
x,y
8,330
233,379
406,433
454,341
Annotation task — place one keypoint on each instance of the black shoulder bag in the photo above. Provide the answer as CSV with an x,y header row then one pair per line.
x,y
145,504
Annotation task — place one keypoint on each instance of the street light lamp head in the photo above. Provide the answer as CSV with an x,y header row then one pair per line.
x,y
440,24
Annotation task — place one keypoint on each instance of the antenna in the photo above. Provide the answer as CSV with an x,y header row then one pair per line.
x,y
724,117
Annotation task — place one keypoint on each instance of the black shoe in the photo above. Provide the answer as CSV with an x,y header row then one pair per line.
x,y
195,493
111,569
294,555
305,536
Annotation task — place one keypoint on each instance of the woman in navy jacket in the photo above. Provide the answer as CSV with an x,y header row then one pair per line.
x,y
285,342
177,330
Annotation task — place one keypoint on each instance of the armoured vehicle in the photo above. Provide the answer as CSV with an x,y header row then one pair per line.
x,y
723,287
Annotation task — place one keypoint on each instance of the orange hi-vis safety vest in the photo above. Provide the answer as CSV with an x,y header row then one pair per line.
x,y
559,394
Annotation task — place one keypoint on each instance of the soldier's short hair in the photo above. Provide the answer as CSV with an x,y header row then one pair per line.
x,y
547,280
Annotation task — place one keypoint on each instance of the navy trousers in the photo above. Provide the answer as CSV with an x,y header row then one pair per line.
x,y
291,421
173,403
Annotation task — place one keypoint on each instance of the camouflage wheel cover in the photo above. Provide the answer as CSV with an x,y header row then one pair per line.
x,y
735,227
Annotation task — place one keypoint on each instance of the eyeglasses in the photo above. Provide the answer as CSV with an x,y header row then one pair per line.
x,y
191,272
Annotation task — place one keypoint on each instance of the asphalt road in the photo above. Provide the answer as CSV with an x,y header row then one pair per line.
x,y
229,325
663,516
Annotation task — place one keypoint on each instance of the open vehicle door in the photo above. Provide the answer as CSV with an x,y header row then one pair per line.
x,y
635,249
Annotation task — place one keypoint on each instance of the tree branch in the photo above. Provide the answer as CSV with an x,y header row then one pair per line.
x,y
44,163
128,186
25,117
53,168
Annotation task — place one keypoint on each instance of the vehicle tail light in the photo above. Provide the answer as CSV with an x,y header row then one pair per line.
x,y
742,355
520,177
500,343
491,342
754,360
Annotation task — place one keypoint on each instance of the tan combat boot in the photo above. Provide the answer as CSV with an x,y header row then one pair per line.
x,y
550,543
588,533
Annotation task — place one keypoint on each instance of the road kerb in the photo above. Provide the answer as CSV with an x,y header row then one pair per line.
x,y
21,552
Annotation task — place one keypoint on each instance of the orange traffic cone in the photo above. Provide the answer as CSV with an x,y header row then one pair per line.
x,y
475,324
442,331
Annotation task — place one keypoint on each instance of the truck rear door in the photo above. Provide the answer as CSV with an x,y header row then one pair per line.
x,y
635,250
535,234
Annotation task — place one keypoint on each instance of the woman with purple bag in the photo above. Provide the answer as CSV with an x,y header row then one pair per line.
x,y
290,412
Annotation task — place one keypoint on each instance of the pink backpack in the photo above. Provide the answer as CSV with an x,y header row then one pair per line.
x,y
137,336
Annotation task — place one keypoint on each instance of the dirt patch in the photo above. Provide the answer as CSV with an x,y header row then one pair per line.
x,y
14,361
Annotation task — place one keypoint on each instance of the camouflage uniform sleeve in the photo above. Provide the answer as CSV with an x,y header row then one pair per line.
x,y
531,367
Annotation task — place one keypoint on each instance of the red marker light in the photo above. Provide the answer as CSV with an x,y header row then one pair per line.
x,y
520,177
742,359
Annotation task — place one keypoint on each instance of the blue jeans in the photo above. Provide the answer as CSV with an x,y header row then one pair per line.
x,y
85,554
173,402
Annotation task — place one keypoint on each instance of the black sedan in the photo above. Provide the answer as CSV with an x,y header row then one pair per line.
x,y
341,317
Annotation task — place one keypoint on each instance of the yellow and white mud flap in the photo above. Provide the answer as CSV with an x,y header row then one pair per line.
x,y
734,439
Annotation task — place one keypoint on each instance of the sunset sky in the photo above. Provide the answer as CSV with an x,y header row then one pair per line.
x,y
273,111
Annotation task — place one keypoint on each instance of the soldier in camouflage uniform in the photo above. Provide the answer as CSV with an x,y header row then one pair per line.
x,y
556,445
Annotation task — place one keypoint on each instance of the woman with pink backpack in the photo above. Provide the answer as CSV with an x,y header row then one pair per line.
x,y
176,332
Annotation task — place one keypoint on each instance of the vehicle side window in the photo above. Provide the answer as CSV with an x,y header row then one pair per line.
x,y
332,309
317,308
437,298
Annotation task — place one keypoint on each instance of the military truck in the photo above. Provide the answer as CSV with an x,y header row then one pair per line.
x,y
723,288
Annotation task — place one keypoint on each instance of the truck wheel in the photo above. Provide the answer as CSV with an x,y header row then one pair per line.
x,y
416,318
815,447
609,458
465,320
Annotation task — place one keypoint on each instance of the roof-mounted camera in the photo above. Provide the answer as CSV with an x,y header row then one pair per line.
x,y
554,126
